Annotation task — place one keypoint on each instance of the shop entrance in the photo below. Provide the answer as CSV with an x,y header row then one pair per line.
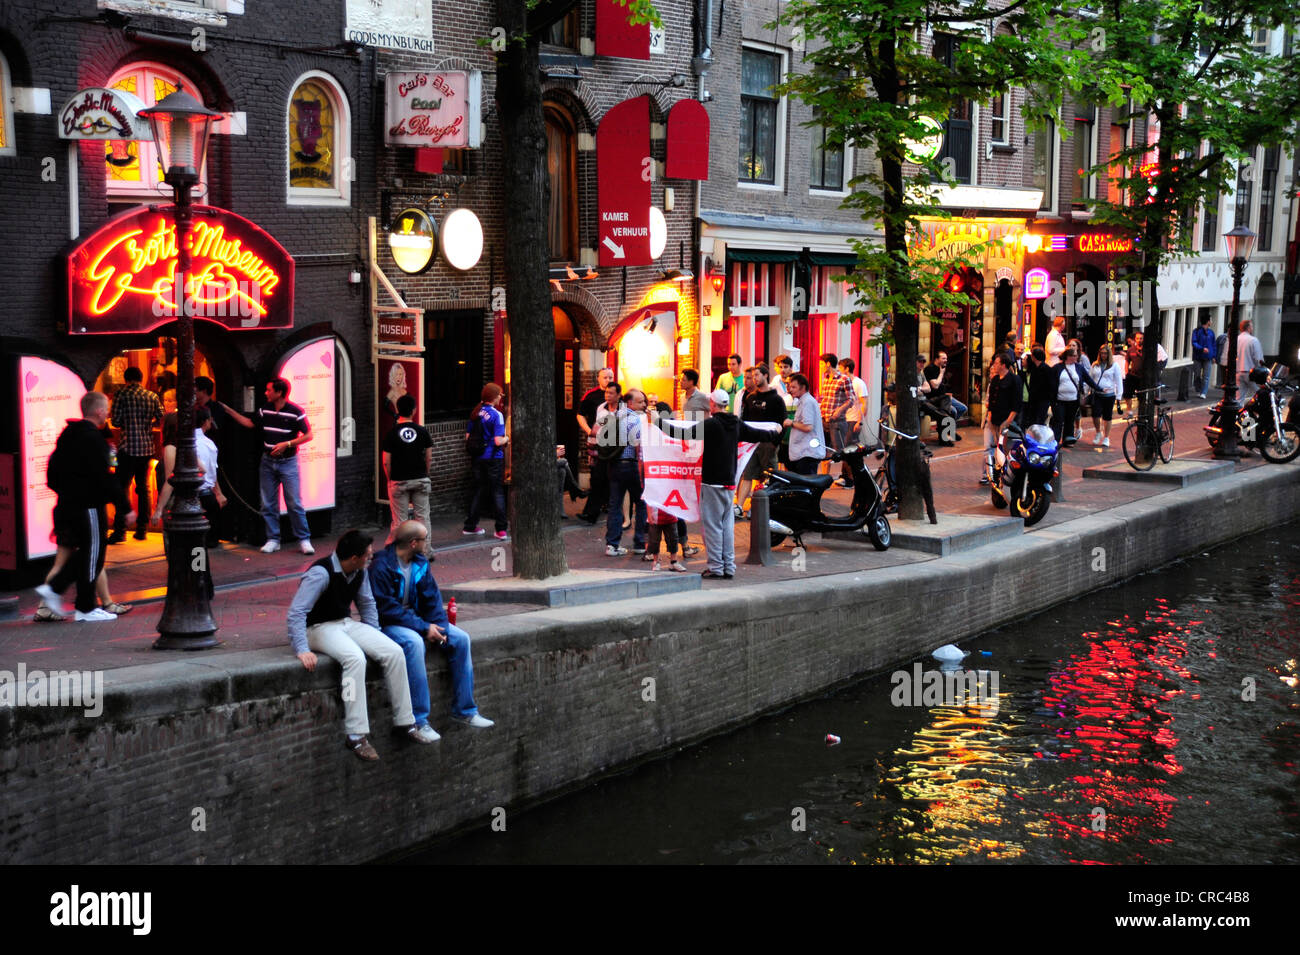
x,y
567,395
958,334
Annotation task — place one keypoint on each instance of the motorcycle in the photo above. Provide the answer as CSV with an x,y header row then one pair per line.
x,y
795,503
1020,471
1260,423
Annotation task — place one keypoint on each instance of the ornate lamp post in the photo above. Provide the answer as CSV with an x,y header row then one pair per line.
x,y
181,125
1240,242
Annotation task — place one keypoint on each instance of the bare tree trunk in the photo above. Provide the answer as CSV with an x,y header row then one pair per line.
x,y
535,527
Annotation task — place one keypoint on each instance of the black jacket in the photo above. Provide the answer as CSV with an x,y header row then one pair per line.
x,y
722,432
84,479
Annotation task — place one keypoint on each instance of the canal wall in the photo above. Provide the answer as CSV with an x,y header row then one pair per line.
x,y
238,757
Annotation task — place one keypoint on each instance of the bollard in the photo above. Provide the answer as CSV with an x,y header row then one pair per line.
x,y
1058,485
1184,383
760,529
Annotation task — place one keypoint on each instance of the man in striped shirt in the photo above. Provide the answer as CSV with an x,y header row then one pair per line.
x,y
282,426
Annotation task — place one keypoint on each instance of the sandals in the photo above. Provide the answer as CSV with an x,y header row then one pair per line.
x,y
118,609
45,615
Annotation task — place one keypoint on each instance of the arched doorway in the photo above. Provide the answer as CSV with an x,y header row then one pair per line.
x,y
1268,314
1088,324
567,393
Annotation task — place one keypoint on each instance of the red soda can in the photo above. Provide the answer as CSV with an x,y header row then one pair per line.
x,y
451,610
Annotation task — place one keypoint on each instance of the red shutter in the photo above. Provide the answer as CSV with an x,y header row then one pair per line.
x,y
616,37
688,141
428,161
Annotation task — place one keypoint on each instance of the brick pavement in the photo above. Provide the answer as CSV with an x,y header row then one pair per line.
x,y
254,589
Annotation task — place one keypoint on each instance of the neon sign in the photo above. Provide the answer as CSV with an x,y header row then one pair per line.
x,y
122,277
1104,242
1037,282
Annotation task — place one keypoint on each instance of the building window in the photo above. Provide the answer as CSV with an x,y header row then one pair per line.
x,y
1000,120
760,117
564,31
7,147
756,288
1210,224
1085,155
1045,163
958,129
1245,178
1268,197
1259,39
562,169
319,143
827,171
132,167
453,363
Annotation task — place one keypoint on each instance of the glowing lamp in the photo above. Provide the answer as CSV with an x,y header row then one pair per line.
x,y
658,232
717,279
1240,242
462,239
412,241
181,125
1031,242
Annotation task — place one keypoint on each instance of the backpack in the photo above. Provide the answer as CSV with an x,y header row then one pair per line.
x,y
475,442
1221,349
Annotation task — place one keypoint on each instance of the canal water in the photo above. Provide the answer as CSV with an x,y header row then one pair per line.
x,y
1157,721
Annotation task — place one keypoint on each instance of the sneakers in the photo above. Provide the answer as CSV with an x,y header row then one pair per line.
x,y
502,535
654,566
984,481
676,565
476,532
638,550
270,547
840,482
690,550
361,748
141,535
1105,442
422,734
738,512
1096,438
51,600
476,721
612,551
117,537
94,616
305,547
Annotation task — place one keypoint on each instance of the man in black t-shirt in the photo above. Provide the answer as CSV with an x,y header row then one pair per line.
x,y
281,427
587,413
1005,398
764,403
408,455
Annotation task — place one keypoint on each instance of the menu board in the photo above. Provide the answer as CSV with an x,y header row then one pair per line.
x,y
49,394
310,371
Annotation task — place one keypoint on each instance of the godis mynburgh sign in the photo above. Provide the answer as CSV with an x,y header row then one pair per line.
x,y
121,278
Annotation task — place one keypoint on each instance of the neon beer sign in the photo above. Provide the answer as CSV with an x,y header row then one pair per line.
x,y
122,277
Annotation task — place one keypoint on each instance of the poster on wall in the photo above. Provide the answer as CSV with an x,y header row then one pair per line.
x,y
49,394
647,352
310,371
394,377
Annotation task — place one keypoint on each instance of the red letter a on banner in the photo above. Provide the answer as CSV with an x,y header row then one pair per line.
x,y
675,500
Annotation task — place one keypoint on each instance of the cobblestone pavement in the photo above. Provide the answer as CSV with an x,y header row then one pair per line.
x,y
254,589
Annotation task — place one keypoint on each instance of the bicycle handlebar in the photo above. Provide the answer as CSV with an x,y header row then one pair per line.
x,y
910,437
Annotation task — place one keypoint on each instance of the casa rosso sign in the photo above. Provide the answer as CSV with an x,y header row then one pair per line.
x,y
122,277
433,109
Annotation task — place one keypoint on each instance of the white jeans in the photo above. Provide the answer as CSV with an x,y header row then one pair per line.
x,y
350,642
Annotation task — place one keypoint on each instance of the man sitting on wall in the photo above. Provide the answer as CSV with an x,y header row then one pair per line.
x,y
320,619
410,612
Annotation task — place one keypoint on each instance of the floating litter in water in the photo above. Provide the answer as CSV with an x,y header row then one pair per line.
x,y
832,739
949,653
986,653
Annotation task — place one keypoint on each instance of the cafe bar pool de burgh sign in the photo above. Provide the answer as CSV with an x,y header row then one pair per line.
x,y
121,278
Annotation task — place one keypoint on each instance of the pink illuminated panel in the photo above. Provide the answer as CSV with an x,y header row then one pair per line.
x,y
1037,282
310,372
48,395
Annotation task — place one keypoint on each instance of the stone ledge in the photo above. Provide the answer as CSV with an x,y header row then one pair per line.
x,y
575,588
1180,472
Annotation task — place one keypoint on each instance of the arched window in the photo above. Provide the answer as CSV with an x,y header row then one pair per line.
x,y
562,167
319,155
131,167
7,147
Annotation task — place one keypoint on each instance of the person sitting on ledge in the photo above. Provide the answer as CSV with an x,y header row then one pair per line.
x,y
410,612
320,618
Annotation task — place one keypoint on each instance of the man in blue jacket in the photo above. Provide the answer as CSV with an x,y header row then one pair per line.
x,y
1203,354
410,612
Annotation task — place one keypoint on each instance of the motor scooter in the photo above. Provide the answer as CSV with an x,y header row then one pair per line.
x,y
794,503
1020,471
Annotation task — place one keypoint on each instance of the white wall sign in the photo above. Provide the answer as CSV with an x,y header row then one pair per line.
x,y
657,44
391,24
432,109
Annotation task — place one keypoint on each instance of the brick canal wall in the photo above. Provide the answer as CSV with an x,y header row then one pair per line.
x,y
237,758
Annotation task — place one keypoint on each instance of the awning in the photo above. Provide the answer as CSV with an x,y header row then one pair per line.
x,y
838,259
774,256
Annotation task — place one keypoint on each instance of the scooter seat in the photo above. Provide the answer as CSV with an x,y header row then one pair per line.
x,y
821,481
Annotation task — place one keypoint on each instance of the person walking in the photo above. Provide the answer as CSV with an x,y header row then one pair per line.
x,y
1203,353
1249,357
1110,385
486,430
588,412
135,413
1071,381
625,476
281,427
763,404
407,458
1042,388
1085,372
78,473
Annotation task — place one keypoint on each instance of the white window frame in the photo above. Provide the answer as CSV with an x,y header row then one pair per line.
x,y
846,172
773,276
341,195
778,185
1053,207
1005,98
7,108
147,190
1090,182
343,385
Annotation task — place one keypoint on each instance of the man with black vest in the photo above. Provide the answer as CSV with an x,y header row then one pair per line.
x,y
320,619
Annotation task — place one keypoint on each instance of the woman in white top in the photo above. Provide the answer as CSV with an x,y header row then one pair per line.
x,y
1110,385
1085,367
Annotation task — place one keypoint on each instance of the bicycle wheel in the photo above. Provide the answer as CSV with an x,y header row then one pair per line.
x,y
1166,434
1140,446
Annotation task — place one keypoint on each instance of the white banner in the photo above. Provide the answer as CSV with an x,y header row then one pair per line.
x,y
672,472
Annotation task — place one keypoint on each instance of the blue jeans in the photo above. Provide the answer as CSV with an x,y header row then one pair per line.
x,y
489,490
458,662
625,478
958,409
275,473
1201,381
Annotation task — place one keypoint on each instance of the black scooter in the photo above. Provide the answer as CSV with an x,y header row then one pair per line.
x,y
795,503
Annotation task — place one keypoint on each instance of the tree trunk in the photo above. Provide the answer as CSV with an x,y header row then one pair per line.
x,y
535,524
1154,232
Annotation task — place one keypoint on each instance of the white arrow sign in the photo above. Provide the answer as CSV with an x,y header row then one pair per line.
x,y
617,250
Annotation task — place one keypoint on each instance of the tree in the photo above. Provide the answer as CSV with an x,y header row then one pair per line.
x,y
538,548
1214,98
870,73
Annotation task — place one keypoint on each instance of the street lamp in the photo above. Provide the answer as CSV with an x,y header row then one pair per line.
x,y
1240,242
181,125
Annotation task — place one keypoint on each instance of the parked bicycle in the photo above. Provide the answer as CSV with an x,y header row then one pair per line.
x,y
886,474
1145,440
